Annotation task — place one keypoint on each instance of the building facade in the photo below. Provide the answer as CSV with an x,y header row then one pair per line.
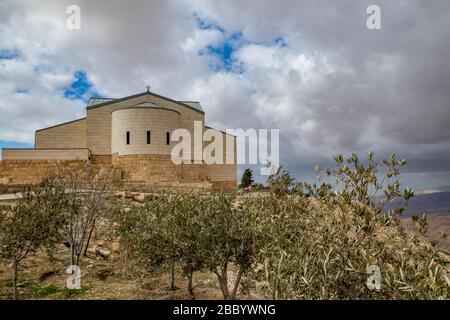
x,y
131,136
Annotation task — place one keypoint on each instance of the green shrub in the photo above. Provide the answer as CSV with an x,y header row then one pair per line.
x,y
320,247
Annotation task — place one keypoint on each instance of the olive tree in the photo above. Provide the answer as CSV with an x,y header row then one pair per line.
x,y
34,223
87,196
163,232
186,227
144,230
196,232
320,246
231,235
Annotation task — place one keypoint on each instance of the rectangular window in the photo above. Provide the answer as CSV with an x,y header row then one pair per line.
x,y
167,137
149,137
128,137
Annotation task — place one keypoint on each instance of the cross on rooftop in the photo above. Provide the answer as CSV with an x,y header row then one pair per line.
x,y
148,88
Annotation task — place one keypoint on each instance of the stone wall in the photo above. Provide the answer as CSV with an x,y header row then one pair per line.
x,y
158,172
17,174
147,173
45,154
101,160
31,172
148,169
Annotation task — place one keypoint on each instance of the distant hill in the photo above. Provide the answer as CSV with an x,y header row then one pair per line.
x,y
426,202
434,190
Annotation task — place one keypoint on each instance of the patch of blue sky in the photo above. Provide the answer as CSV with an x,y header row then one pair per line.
x,y
223,52
81,88
9,54
281,42
22,90
14,144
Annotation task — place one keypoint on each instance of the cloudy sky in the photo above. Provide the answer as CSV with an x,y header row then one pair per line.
x,y
310,68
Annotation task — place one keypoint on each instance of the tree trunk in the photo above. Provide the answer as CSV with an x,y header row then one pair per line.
x,y
225,281
72,254
225,291
88,240
125,257
238,281
225,273
223,285
14,280
78,257
172,277
189,286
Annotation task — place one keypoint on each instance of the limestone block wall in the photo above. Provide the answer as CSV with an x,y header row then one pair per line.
x,y
158,172
31,172
137,172
147,169
67,135
137,121
190,172
154,173
45,154
101,160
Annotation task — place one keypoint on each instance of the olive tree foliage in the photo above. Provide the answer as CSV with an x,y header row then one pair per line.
x,y
186,228
373,184
87,196
232,235
281,183
196,232
321,239
34,223
162,232
125,221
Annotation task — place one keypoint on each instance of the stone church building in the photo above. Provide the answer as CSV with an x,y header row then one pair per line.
x,y
130,136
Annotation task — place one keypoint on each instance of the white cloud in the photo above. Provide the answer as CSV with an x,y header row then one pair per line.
x,y
257,55
200,39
